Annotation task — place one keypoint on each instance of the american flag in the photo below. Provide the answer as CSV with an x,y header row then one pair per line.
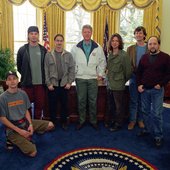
x,y
106,39
45,34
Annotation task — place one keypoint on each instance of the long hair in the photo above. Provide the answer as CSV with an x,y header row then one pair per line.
x,y
121,44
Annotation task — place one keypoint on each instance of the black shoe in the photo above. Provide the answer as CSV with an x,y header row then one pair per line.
x,y
158,142
115,127
79,126
95,126
64,126
9,145
106,124
143,133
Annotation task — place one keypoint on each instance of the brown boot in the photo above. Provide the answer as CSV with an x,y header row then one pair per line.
x,y
141,124
131,125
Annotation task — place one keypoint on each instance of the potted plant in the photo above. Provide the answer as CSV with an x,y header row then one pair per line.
x,y
7,63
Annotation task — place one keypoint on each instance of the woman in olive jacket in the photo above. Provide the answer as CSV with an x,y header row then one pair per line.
x,y
119,72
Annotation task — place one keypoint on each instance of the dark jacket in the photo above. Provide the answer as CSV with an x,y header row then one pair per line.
x,y
23,65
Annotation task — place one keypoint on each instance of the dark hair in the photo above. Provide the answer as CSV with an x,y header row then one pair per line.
x,y
9,73
58,35
141,28
158,39
33,29
121,44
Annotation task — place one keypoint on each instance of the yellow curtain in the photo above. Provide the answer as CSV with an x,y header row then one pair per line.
x,y
17,2
152,21
89,5
55,22
99,21
67,5
142,3
36,3
6,25
116,4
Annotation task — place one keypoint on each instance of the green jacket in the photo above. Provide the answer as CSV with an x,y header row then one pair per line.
x,y
119,70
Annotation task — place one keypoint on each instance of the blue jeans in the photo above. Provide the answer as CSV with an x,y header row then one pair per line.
x,y
135,101
152,107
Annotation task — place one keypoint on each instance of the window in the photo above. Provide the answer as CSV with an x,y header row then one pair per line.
x,y
24,16
130,18
75,19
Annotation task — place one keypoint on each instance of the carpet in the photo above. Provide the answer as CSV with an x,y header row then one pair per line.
x,y
96,158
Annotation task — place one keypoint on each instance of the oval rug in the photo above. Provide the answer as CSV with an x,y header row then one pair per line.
x,y
99,159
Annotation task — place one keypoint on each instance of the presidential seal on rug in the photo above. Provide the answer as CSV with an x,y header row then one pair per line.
x,y
99,159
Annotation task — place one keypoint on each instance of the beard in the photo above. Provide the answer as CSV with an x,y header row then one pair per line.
x,y
153,51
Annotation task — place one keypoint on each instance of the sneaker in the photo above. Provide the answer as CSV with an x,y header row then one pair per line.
x,y
9,145
158,142
131,125
141,124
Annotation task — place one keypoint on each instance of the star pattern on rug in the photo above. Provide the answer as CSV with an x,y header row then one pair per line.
x,y
99,159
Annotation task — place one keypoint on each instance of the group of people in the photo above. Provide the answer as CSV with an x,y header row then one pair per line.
x,y
144,65
150,73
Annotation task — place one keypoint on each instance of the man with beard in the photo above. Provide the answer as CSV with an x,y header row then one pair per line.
x,y
30,64
152,74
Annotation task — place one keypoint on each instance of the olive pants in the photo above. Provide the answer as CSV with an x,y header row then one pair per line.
x,y
25,145
87,94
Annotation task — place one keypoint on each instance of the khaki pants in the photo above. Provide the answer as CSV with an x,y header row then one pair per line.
x,y
26,146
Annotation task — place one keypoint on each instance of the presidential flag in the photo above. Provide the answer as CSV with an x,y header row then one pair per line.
x,y
45,34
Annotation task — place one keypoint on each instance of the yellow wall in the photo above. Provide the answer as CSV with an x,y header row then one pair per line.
x,y
165,31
